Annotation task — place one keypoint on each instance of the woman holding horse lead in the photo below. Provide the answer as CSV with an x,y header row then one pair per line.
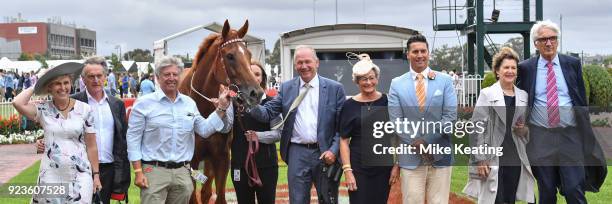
x,y
71,158
266,158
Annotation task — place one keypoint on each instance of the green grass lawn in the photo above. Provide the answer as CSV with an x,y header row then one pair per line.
x,y
458,180
29,176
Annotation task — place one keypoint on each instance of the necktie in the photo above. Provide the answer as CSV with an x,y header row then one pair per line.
x,y
420,92
552,103
295,104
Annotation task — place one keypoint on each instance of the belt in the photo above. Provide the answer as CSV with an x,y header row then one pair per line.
x,y
557,129
308,146
169,165
105,164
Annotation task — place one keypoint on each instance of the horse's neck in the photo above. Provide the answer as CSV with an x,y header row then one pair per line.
x,y
205,84
202,77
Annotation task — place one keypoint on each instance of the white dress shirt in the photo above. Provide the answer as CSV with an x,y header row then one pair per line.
x,y
104,126
305,126
425,79
162,130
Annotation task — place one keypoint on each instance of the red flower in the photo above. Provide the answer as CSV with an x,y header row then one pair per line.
x,y
232,93
431,75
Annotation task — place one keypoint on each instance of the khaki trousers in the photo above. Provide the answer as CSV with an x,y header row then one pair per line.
x,y
166,186
426,183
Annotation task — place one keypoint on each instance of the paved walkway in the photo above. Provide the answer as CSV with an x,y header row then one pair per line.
x,y
16,158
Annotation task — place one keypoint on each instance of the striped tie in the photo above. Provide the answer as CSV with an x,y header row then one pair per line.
x,y
420,91
552,103
294,105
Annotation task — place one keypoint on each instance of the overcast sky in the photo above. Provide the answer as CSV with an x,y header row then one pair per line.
x,y
137,23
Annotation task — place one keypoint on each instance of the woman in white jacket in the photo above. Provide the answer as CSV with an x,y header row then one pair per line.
x,y
502,107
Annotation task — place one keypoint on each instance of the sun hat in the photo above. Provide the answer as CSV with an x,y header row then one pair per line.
x,y
47,75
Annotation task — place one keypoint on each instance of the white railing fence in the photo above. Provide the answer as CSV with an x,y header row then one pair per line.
x,y
7,109
467,88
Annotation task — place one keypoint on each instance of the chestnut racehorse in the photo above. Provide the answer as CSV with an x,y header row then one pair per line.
x,y
221,59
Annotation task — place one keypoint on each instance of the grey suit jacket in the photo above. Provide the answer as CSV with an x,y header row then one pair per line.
x,y
121,164
331,99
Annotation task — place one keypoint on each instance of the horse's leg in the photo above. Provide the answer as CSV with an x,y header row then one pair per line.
x,y
206,191
221,165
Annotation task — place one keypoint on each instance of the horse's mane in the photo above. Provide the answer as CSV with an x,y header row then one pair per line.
x,y
204,47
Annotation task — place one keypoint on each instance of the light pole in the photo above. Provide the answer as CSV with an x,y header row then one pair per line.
x,y
118,47
561,37
364,13
314,19
336,11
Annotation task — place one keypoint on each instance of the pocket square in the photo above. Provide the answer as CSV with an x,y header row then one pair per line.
x,y
438,92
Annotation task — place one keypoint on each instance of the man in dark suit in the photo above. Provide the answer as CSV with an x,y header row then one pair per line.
x,y
110,125
311,106
562,150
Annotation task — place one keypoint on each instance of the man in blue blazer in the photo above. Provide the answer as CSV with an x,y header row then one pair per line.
x,y
562,149
309,138
423,95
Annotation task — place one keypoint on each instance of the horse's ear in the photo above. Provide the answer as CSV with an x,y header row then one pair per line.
x,y
242,32
226,28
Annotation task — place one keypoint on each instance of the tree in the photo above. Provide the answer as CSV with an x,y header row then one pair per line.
x,y
274,57
42,59
139,55
446,57
25,57
150,69
517,45
115,62
607,61
600,84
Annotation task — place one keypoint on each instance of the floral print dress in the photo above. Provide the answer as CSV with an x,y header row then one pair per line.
x,y
65,158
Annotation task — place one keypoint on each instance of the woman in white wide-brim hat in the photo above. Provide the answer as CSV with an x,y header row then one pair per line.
x,y
71,158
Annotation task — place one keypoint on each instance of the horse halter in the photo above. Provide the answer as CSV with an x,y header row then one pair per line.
x,y
231,85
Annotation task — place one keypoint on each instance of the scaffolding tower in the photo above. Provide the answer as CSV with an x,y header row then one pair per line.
x,y
477,30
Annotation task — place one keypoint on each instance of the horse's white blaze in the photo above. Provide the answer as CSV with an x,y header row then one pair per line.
x,y
241,49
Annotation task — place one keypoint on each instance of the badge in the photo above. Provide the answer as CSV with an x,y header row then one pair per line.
x,y
236,174
198,176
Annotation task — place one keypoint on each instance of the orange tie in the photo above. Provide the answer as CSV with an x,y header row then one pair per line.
x,y
420,92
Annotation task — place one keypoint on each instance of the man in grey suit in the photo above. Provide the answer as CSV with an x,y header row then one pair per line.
x,y
311,106
111,127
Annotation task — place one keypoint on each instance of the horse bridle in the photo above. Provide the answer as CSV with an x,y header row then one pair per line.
x,y
249,164
231,85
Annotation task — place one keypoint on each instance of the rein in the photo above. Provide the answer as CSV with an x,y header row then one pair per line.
x,y
250,165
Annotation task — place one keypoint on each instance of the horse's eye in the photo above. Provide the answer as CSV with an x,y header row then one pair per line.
x,y
230,56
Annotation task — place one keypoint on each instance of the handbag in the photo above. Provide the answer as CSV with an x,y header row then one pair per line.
x,y
96,198
333,171
120,197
